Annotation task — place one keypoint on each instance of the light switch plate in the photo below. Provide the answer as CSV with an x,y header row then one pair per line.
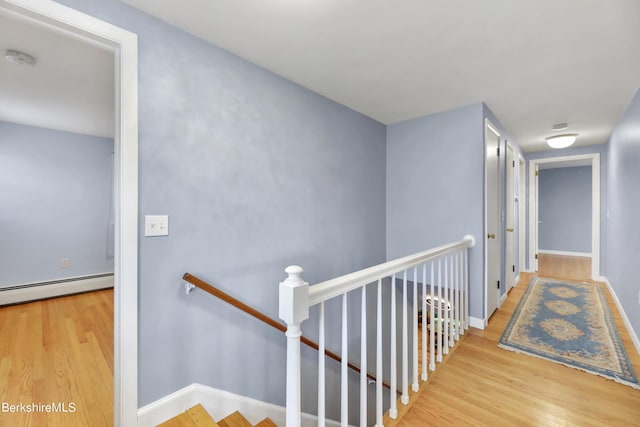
x,y
156,225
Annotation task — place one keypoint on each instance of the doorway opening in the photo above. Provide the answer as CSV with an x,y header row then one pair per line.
x,y
123,44
577,248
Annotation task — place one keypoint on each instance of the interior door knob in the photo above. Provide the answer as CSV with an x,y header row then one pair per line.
x,y
491,236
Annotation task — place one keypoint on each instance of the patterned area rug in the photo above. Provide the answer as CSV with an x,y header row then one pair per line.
x,y
569,323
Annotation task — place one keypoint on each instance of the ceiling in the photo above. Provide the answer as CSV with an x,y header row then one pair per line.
x,y
70,88
534,63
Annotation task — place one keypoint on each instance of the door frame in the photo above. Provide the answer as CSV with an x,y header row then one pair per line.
x,y
124,45
591,159
490,126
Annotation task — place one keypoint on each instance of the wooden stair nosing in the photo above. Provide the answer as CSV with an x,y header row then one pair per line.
x,y
266,423
234,420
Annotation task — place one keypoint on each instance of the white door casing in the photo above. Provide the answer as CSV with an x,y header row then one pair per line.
x,y
124,45
592,159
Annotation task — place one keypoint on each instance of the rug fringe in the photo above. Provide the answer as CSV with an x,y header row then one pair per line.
x,y
616,379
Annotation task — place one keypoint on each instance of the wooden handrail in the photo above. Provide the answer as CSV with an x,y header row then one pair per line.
x,y
188,277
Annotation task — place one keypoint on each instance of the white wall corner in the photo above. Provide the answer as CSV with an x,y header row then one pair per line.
x,y
476,322
625,319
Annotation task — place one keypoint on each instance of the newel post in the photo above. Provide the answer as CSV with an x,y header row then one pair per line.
x,y
294,309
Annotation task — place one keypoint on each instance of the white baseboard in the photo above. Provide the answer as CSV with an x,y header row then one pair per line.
x,y
516,280
566,253
476,322
625,319
37,291
503,298
219,404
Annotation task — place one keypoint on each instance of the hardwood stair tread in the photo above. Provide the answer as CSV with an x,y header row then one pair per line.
x,y
180,420
201,417
195,416
234,420
266,423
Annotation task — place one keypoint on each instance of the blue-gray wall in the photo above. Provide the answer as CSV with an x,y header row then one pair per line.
x,y
564,209
435,169
255,173
55,202
623,239
604,167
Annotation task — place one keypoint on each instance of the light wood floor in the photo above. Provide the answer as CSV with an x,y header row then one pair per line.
x,y
58,351
483,385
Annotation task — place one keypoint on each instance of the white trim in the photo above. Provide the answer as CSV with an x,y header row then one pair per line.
x,y
565,161
50,290
503,297
565,253
219,404
623,314
124,44
477,323
517,279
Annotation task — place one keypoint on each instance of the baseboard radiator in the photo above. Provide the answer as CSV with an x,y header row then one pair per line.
x,y
54,288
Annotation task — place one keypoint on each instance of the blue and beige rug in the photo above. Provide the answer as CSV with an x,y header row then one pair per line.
x,y
569,323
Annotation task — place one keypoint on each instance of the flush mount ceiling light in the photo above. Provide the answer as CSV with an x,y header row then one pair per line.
x,y
20,58
562,141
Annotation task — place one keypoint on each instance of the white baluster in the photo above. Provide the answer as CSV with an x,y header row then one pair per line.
x,y
447,305
321,371
344,372
451,301
425,375
414,332
432,327
458,277
293,309
405,344
363,358
393,409
439,321
465,270
379,377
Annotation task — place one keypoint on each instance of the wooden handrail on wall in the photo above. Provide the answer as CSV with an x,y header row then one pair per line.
x,y
199,283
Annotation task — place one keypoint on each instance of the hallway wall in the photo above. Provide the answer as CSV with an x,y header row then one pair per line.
x,y
623,240
256,173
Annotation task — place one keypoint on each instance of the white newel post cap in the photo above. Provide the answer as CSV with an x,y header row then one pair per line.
x,y
473,240
294,297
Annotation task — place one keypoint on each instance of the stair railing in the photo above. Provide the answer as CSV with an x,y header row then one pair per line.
x,y
193,281
448,283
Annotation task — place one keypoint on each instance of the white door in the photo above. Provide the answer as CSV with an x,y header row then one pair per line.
x,y
492,218
536,222
522,192
510,214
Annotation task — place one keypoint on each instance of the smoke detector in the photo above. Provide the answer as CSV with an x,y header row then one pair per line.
x,y
560,126
20,58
